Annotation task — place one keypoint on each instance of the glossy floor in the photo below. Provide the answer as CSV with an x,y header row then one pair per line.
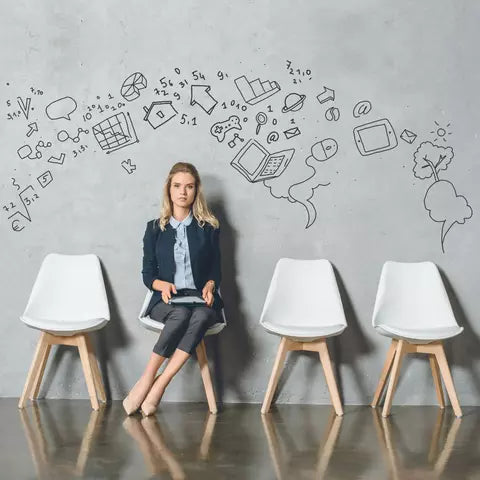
x,y
55,439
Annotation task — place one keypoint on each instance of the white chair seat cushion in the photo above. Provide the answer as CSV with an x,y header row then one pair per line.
x,y
64,328
421,335
155,326
306,333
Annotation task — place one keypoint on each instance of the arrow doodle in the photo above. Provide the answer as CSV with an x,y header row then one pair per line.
x,y
199,94
128,166
33,128
327,95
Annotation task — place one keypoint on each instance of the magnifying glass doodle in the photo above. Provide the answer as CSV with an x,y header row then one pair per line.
x,y
261,119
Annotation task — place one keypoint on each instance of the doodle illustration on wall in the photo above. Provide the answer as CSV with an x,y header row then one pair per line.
x,y
27,197
298,184
256,90
61,108
63,135
291,132
293,102
261,119
272,137
159,113
128,166
220,129
441,132
375,137
328,95
408,136
362,108
200,95
255,163
115,132
24,106
58,160
441,200
132,85
32,127
27,152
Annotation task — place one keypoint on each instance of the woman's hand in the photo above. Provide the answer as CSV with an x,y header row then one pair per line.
x,y
207,293
166,288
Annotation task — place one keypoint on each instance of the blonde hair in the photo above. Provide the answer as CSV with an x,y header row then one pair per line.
x,y
200,208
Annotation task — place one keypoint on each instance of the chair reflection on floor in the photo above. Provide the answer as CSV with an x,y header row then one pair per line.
x,y
325,451
437,460
148,435
45,452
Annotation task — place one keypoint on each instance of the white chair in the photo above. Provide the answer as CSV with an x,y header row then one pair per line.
x,y
304,307
413,309
201,351
67,301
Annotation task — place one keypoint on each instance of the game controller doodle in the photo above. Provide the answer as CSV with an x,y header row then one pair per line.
x,y
219,129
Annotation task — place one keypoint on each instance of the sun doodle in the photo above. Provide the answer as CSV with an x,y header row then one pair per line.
x,y
441,132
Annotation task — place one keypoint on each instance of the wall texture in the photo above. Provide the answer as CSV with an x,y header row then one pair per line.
x,y
355,94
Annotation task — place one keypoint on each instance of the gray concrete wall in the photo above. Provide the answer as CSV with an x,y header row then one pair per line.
x,y
416,63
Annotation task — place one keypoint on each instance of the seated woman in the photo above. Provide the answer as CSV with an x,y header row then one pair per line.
x,y
181,254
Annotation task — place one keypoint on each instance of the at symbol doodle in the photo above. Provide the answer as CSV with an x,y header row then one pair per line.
x,y
272,137
362,108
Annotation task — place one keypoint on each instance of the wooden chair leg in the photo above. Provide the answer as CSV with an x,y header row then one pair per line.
x,y
40,372
87,370
436,380
97,376
34,369
329,376
392,384
275,375
384,375
207,379
447,378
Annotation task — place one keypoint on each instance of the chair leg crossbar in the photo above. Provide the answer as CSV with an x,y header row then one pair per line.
x,y
438,363
319,346
91,371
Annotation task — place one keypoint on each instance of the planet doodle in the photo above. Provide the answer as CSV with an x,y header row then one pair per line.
x,y
293,102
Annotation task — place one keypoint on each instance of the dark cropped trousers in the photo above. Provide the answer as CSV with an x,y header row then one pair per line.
x,y
184,327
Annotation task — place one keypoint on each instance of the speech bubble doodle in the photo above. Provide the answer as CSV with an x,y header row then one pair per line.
x,y
61,108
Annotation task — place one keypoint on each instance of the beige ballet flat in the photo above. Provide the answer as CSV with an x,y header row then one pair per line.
x,y
130,404
148,409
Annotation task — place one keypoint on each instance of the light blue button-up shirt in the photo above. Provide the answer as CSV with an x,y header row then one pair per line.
x,y
183,268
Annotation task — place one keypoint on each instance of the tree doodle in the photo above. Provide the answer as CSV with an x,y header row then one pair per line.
x,y
298,184
441,200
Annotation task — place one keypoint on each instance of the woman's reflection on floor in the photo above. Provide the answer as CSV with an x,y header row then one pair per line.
x,y
150,440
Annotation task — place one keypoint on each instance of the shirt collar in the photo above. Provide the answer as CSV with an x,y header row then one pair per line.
x,y
186,221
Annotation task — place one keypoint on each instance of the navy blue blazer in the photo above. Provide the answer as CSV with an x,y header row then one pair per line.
x,y
159,259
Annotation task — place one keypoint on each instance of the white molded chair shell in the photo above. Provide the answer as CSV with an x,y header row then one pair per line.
x,y
412,304
303,301
151,324
68,296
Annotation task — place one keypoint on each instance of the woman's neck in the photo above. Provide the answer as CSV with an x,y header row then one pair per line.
x,y
180,213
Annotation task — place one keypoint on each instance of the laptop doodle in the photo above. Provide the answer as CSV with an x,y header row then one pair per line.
x,y
255,163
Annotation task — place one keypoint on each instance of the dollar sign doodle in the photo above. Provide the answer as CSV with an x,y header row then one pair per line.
x,y
15,184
